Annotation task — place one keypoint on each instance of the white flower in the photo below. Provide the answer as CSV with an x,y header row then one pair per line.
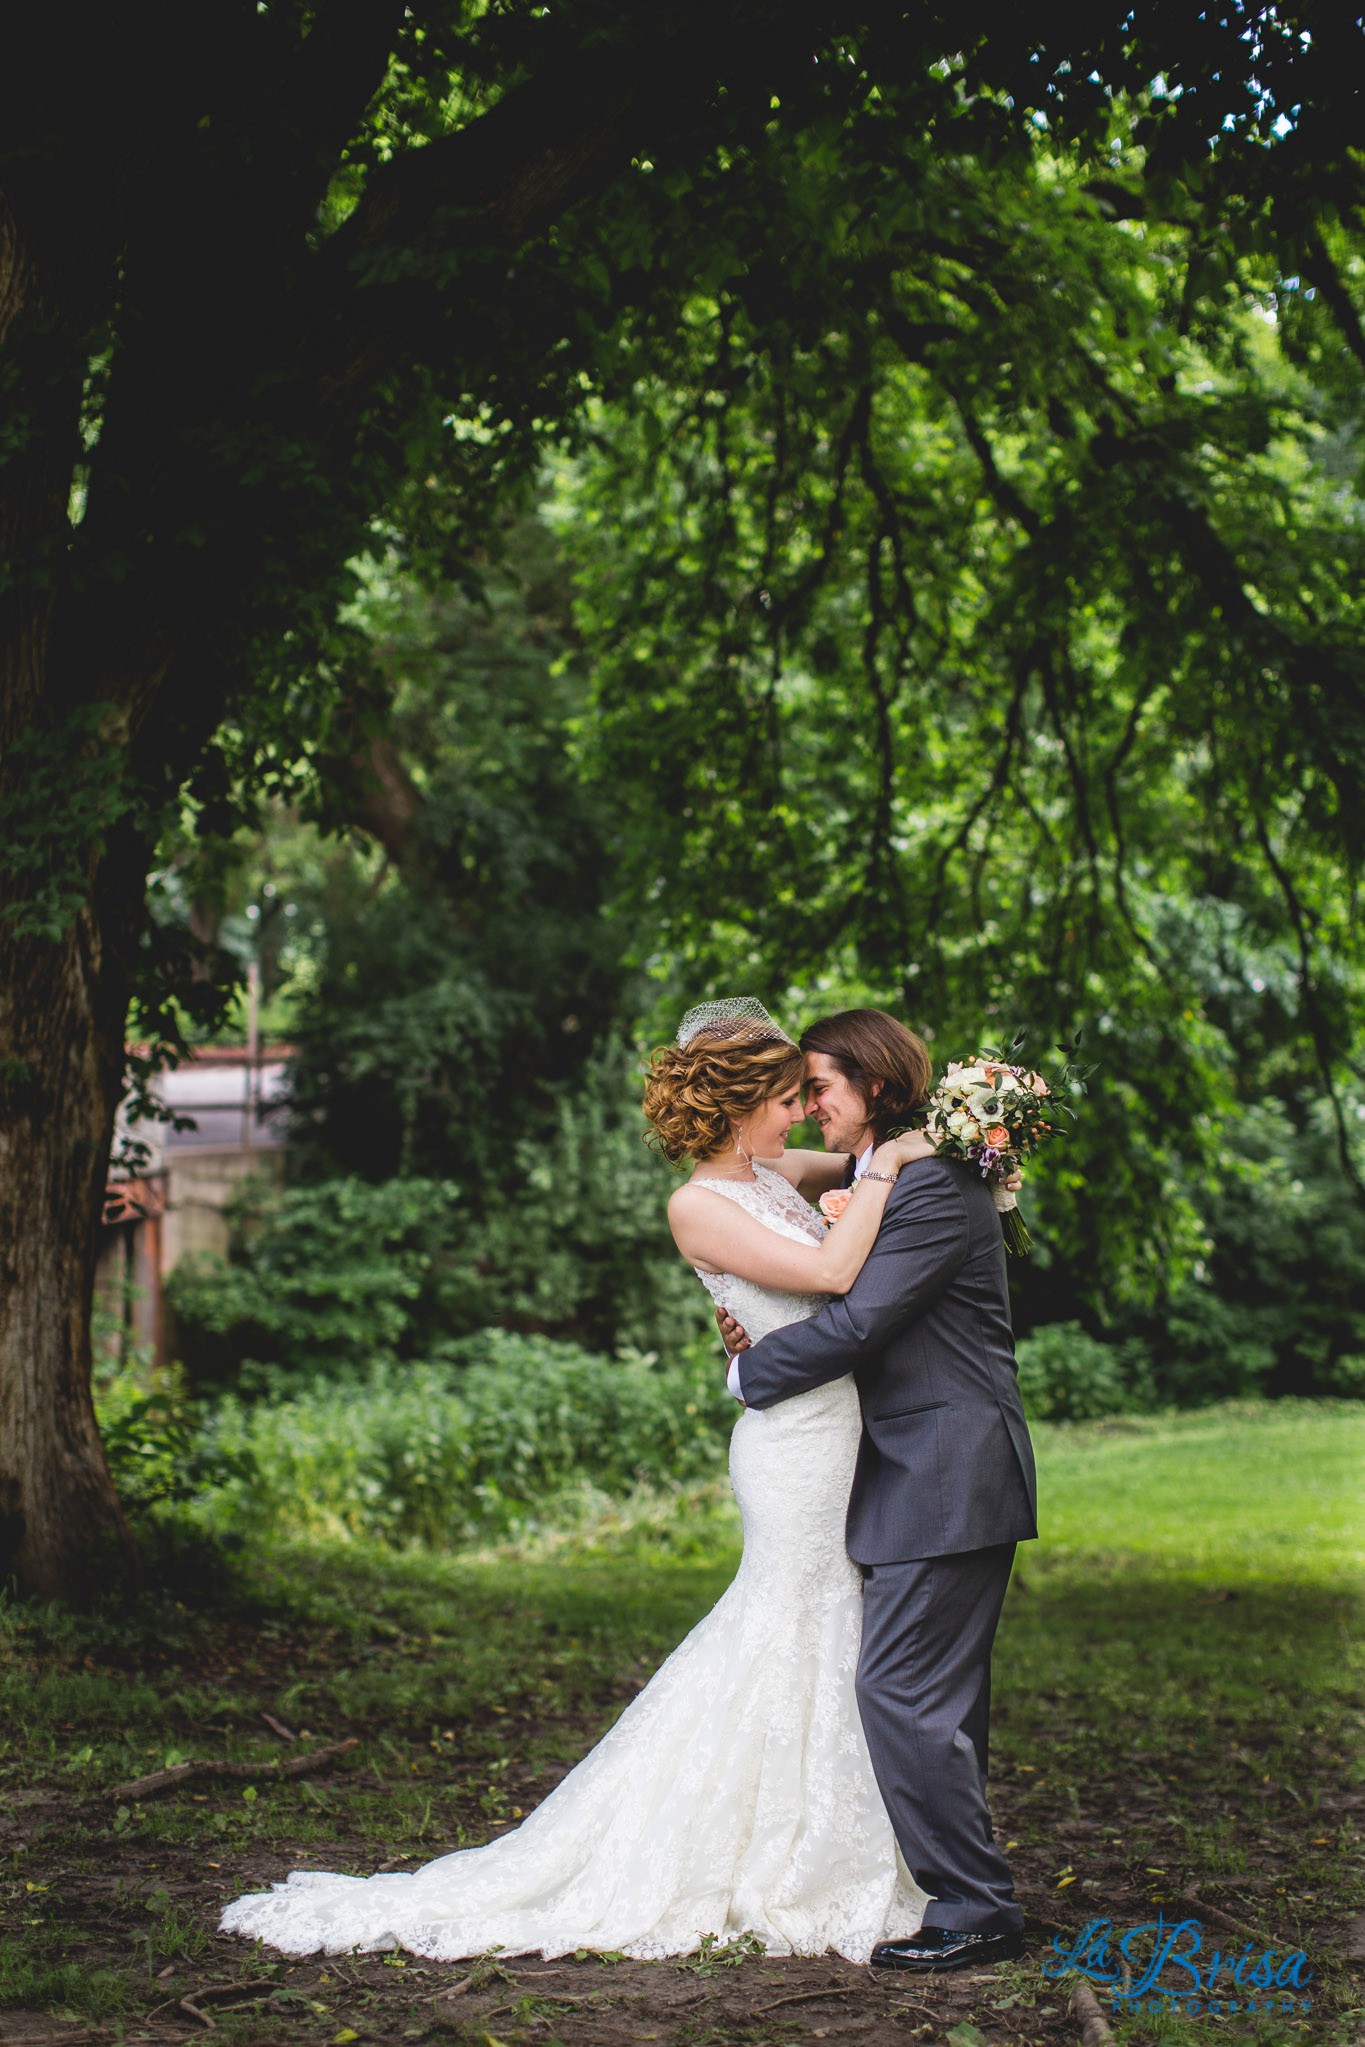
x,y
971,1130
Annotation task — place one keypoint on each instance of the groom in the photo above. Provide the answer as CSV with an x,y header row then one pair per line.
x,y
944,1486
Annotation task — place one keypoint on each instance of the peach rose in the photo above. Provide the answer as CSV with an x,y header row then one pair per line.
x,y
834,1202
1038,1084
998,1137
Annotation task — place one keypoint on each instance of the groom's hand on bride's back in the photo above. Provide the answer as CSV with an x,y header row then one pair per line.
x,y
732,1333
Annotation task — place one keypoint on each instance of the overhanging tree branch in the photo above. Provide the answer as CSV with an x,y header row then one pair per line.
x,y
1318,1028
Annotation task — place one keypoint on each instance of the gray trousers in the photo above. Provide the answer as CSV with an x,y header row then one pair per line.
x,y
924,1693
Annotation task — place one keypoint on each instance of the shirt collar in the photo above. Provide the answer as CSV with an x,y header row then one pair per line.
x,y
864,1159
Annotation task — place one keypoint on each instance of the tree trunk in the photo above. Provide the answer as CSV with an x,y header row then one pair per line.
x,y
64,993
62,1532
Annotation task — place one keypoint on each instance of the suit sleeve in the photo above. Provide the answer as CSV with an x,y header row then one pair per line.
x,y
922,1244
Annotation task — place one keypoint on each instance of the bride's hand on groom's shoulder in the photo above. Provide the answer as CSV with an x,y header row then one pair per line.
x,y
732,1334
910,1144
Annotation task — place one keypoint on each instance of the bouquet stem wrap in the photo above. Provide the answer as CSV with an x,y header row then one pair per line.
x,y
1015,1229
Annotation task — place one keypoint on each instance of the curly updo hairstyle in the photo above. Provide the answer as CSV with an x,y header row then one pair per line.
x,y
696,1093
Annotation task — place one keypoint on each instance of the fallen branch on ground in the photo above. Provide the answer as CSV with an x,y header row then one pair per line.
x,y
1085,2006
190,1773
798,1997
1200,1908
220,1993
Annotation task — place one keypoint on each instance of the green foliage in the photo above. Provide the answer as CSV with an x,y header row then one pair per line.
x,y
963,627
35,1974
465,1448
571,1238
961,468
576,1238
149,1438
452,992
1277,1301
62,790
322,1278
1067,1376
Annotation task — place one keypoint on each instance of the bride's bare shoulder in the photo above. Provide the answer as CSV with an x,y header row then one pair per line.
x,y
694,1197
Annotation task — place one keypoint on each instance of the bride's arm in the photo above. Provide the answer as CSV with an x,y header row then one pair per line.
x,y
717,1235
811,1173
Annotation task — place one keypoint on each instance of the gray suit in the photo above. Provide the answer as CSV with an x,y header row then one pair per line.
x,y
943,1490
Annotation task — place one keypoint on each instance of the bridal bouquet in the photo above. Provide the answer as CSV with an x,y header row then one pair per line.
x,y
995,1115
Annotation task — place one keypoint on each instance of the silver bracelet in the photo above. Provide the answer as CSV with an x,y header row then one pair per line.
x,y
890,1178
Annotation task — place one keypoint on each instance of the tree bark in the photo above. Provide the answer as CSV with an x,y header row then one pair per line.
x,y
63,997
62,1532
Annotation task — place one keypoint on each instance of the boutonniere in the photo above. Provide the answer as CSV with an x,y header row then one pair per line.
x,y
833,1202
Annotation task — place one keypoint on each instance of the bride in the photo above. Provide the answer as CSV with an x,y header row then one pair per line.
x,y
734,1796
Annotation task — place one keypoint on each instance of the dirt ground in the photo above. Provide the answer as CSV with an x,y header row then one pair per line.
x,y
244,1996
139,1898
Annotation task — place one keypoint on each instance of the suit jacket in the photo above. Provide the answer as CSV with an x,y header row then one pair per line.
x,y
946,1464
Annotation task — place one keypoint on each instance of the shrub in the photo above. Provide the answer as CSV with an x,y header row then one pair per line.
x,y
331,1276
322,1278
1277,1303
461,1448
1066,1375
579,1245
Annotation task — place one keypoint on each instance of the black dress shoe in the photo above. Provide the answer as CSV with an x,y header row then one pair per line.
x,y
943,1947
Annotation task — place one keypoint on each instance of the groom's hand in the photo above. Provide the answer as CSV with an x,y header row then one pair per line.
x,y
732,1333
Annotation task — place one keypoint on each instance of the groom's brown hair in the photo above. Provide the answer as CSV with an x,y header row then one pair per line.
x,y
869,1047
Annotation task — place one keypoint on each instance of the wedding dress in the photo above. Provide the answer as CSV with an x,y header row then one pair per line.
x,y
734,1795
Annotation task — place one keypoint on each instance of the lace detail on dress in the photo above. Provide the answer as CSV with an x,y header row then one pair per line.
x,y
734,1795
778,1206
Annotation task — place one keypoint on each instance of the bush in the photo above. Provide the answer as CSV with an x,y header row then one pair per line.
x,y
1277,1303
580,1246
461,1448
320,1279
332,1276
1067,1376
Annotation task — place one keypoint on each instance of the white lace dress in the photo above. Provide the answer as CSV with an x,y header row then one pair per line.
x,y
734,1795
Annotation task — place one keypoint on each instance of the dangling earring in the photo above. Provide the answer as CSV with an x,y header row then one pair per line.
x,y
744,1158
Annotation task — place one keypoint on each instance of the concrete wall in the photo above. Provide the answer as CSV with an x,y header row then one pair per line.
x,y
200,1184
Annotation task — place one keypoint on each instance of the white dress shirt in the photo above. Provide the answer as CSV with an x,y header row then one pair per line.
x,y
860,1166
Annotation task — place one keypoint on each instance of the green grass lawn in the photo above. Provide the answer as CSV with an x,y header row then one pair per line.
x,y
1176,1729
1273,1492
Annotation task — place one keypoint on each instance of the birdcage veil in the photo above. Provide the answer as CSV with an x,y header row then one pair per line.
x,y
736,1019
